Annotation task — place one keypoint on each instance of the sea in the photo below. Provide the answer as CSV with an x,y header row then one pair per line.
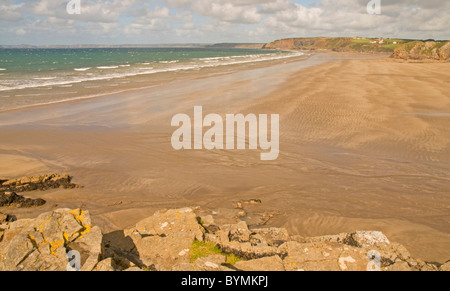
x,y
30,77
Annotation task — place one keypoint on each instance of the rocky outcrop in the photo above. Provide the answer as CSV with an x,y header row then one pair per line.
x,y
419,50
165,241
10,188
33,183
12,199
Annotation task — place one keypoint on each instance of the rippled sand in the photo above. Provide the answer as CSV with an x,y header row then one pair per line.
x,y
364,145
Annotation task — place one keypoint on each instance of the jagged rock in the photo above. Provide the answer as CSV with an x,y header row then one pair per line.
x,y
399,266
164,252
165,239
273,263
207,220
90,246
393,252
235,239
244,250
445,267
171,222
323,256
240,232
5,218
271,236
105,266
248,252
356,259
211,229
257,240
12,199
429,268
366,238
355,239
42,243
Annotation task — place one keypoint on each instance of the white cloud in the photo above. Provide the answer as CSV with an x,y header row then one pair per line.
x,y
139,21
21,31
10,11
228,11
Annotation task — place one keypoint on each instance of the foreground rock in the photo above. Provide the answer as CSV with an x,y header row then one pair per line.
x,y
165,241
42,244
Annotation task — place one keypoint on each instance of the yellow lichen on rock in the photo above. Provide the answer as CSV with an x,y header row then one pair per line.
x,y
55,245
86,230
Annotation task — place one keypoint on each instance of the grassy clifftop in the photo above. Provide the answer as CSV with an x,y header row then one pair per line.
x,y
339,44
400,48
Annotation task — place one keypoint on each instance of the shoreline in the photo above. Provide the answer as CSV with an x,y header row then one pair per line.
x,y
341,152
106,85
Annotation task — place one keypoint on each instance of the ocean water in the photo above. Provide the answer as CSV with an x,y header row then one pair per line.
x,y
28,75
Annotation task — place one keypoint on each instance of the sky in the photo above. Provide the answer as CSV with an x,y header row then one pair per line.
x,y
47,22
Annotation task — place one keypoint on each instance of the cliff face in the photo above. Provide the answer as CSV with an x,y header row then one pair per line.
x,y
419,50
285,44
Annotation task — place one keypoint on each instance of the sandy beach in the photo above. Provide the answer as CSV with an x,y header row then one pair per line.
x,y
364,145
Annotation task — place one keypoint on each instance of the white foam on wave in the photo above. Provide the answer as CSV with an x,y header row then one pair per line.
x,y
2,69
82,69
107,67
44,78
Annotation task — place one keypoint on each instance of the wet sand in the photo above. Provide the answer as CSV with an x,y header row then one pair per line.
x,y
364,145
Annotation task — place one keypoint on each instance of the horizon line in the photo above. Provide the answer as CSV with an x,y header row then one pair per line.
x,y
202,43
